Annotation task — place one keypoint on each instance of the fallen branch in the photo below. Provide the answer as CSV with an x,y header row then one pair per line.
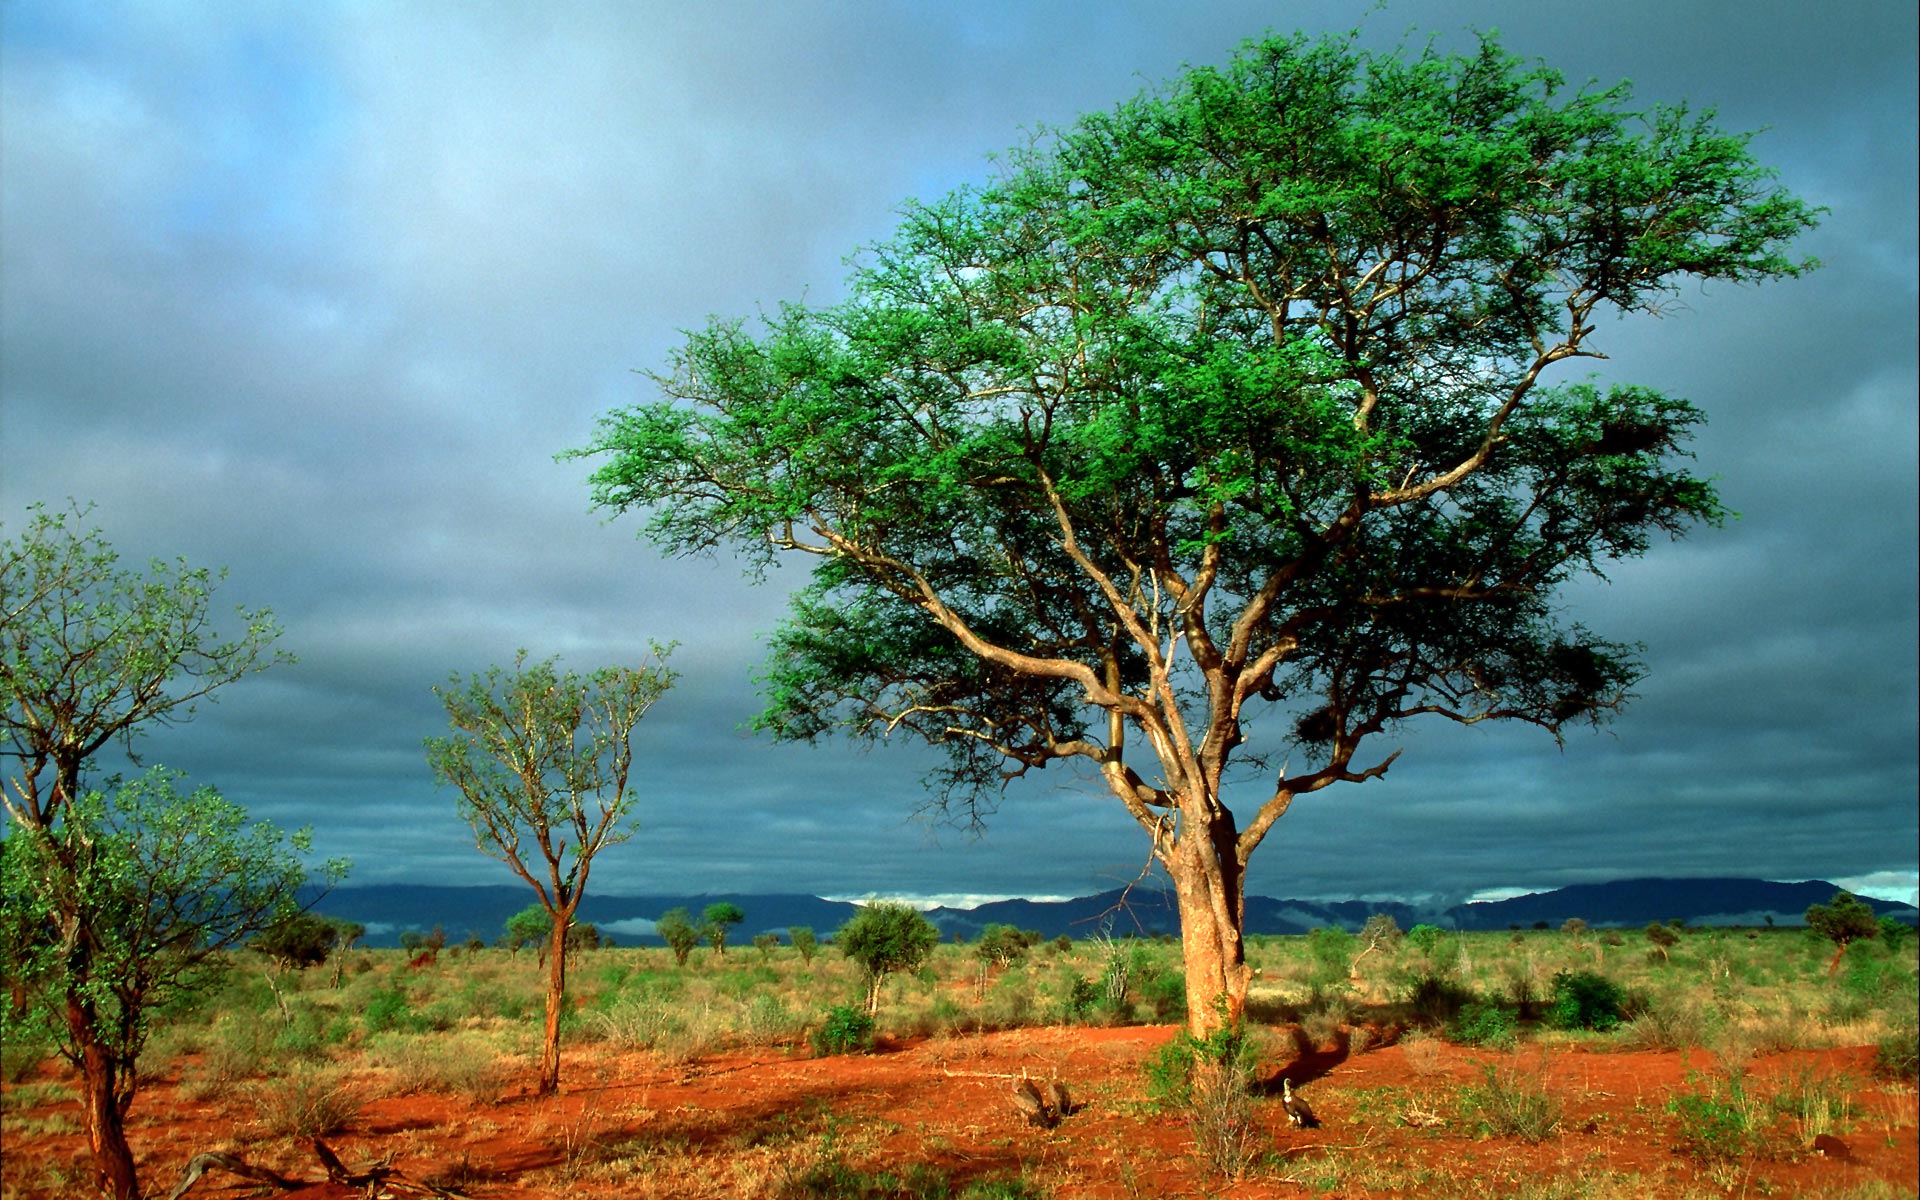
x,y
233,1164
379,1178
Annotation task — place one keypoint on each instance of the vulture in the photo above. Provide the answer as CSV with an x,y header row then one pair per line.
x,y
1299,1112
1027,1099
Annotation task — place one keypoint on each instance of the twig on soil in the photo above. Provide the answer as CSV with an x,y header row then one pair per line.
x,y
952,1074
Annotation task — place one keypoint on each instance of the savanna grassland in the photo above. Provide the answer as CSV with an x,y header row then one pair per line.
x,y
1534,1064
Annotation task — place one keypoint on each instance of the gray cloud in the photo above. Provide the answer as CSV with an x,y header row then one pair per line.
x,y
318,294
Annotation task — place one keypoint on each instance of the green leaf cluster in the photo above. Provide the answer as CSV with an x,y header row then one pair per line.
x,y
1250,368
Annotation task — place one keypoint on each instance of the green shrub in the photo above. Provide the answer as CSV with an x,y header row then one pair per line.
x,y
1722,1124
1585,1000
845,1030
1163,994
1208,1079
389,1009
1483,1023
1897,1055
1170,1072
1080,997
1437,999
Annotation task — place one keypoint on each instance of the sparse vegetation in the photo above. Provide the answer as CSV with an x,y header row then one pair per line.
x,y
451,1040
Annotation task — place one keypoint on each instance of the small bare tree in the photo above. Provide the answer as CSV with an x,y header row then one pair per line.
x,y
542,759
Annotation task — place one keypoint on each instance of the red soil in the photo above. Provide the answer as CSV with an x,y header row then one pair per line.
x,y
737,1124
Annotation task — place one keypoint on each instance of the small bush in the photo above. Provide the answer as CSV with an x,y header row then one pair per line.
x,y
1585,1000
1897,1056
1722,1124
765,1021
21,1053
389,1009
845,1030
1436,999
1209,1079
1080,998
1816,1103
1483,1023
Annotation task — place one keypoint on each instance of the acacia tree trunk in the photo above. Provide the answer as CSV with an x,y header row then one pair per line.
x,y
100,1104
556,999
1211,891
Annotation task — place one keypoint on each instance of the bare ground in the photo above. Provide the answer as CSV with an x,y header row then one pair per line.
x,y
1396,1121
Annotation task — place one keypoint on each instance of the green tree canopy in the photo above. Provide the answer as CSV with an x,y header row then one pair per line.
x,y
298,941
93,654
1842,920
676,928
126,907
531,926
884,938
715,922
1230,405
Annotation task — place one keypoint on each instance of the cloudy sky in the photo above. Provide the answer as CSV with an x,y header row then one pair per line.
x,y
317,291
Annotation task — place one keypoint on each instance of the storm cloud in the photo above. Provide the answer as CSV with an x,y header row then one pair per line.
x,y
317,293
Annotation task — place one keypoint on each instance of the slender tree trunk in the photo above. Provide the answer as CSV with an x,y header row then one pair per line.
x,y
1211,891
106,1131
556,1000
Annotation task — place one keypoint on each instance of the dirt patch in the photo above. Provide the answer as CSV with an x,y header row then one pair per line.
x,y
1397,1118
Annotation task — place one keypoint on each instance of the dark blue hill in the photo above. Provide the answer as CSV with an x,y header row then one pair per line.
x,y
1143,910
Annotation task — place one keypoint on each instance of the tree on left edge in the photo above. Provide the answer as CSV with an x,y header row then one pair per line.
x,y
118,898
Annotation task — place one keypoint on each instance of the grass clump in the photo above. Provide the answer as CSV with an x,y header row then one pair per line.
x,y
1511,1102
308,1102
1725,1123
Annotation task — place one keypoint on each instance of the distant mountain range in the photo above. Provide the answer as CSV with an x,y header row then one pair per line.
x,y
388,911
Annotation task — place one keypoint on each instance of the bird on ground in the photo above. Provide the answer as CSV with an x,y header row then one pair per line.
x,y
1029,1102
1299,1112
1059,1097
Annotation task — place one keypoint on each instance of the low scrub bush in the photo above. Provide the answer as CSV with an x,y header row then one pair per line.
x,y
389,1009
1484,1023
1897,1055
765,1020
1670,1022
1816,1103
461,1066
1437,999
21,1052
1209,1080
845,1030
1585,1000
308,1102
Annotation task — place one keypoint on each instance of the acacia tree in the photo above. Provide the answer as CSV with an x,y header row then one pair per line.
x,y
93,654
715,922
1229,405
886,938
542,759
1842,920
677,929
